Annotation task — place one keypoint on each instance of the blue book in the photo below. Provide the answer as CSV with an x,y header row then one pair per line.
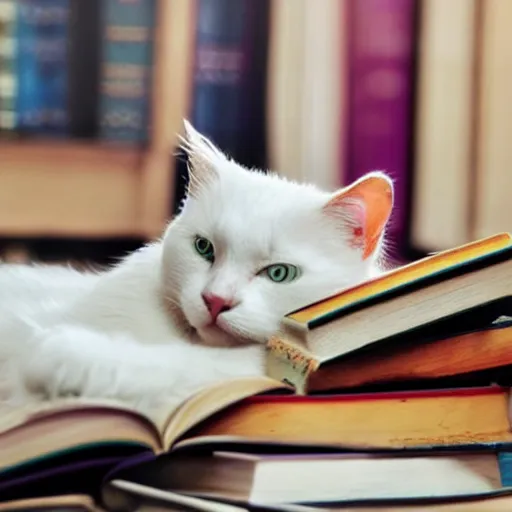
x,y
229,80
41,66
220,62
125,82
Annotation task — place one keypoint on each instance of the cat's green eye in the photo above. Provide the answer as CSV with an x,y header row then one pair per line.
x,y
281,272
204,248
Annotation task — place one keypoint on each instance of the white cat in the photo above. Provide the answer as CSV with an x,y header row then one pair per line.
x,y
196,306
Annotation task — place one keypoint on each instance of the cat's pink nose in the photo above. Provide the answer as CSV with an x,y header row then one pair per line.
x,y
216,305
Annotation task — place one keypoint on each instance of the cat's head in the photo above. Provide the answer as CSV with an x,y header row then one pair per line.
x,y
249,247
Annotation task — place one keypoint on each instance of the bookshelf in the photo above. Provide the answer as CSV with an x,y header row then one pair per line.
x,y
92,189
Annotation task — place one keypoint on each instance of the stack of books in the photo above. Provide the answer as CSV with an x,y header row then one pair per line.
x,y
392,395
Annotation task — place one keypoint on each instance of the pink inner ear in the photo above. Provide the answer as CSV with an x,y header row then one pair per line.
x,y
354,212
365,208
357,213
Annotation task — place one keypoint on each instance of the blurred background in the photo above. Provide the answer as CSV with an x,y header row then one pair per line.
x,y
93,93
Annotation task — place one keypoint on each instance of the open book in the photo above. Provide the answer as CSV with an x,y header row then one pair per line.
x,y
72,443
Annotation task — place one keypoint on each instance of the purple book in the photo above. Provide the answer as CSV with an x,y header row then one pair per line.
x,y
381,40
78,470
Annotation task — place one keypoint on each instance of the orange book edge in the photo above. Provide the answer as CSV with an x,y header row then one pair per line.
x,y
458,355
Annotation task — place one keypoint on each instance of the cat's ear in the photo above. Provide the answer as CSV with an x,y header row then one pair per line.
x,y
364,209
203,158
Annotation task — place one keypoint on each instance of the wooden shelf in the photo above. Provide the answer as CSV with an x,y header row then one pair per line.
x,y
26,152
69,188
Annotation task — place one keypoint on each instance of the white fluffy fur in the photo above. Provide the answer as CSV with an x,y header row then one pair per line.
x,y
138,331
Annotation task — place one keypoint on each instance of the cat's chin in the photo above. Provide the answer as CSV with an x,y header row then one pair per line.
x,y
214,335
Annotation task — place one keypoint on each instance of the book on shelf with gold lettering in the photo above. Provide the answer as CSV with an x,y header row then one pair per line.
x,y
406,320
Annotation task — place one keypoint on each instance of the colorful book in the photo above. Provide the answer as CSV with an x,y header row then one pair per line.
x,y
471,348
8,87
397,302
229,81
41,66
126,67
221,36
463,418
381,41
126,493
266,478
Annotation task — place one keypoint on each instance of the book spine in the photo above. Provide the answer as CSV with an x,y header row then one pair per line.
x,y
223,42
445,124
42,32
492,179
380,60
219,66
251,148
505,465
125,76
84,68
7,55
28,97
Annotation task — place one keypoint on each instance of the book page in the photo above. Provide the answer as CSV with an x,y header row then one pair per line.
x,y
151,499
13,414
69,503
147,498
213,399
34,430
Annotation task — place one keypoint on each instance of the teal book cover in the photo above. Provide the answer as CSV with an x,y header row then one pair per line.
x,y
126,66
